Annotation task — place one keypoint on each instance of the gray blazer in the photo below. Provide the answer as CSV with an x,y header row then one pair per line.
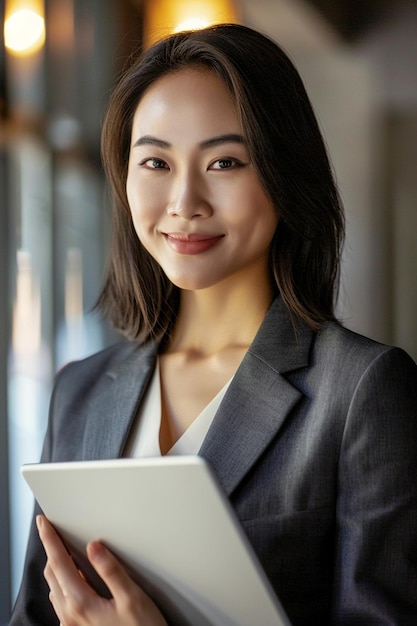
x,y
315,443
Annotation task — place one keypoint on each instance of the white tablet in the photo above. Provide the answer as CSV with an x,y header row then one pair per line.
x,y
173,528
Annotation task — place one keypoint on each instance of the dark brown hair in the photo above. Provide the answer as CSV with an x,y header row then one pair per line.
x,y
288,153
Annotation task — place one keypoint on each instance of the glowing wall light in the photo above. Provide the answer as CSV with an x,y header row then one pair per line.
x,y
163,17
26,331
24,26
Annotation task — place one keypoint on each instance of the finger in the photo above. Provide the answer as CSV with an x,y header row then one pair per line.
x,y
129,599
110,570
56,597
57,554
59,563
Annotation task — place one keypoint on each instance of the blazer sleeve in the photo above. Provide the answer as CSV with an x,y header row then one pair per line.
x,y
376,546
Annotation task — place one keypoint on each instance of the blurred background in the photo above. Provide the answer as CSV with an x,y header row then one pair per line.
x,y
58,61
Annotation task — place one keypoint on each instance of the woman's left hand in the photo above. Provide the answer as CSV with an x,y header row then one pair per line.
x,y
77,604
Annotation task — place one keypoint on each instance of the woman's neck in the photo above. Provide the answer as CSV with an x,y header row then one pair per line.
x,y
215,319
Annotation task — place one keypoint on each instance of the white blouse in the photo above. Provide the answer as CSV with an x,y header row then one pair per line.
x,y
144,437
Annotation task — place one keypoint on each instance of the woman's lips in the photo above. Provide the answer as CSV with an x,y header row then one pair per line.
x,y
191,244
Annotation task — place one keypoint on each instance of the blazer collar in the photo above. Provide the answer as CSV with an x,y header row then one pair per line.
x,y
253,410
116,407
259,398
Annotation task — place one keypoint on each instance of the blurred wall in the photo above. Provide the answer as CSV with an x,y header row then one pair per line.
x,y
390,46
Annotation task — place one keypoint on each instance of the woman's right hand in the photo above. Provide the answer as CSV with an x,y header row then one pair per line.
x,y
77,604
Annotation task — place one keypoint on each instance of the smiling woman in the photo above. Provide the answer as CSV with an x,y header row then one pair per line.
x,y
197,204
222,275
275,118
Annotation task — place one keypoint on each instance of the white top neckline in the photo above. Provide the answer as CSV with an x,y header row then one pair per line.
x,y
144,437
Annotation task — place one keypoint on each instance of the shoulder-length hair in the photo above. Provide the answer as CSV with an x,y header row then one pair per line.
x,y
287,150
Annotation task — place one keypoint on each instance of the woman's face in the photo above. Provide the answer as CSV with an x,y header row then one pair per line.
x,y
197,204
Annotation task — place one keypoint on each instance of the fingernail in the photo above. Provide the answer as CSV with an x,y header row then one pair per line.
x,y
97,550
39,522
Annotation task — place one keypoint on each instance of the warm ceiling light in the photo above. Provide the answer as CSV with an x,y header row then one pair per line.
x,y
191,23
24,26
163,17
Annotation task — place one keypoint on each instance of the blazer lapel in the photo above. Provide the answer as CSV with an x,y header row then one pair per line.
x,y
116,407
253,410
259,398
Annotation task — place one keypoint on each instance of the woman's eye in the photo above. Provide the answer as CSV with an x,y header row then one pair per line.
x,y
225,164
154,164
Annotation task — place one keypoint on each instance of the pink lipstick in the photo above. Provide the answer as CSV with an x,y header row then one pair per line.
x,y
191,243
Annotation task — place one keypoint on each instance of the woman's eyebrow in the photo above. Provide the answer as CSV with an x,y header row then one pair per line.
x,y
207,143
221,139
147,140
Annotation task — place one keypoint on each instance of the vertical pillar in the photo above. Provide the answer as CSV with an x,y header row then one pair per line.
x,y
5,594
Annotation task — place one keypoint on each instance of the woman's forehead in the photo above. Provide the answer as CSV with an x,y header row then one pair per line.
x,y
185,100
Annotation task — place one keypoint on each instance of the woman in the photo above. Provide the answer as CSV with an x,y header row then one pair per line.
x,y
222,274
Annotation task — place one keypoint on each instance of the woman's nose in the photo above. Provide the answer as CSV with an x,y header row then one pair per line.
x,y
189,199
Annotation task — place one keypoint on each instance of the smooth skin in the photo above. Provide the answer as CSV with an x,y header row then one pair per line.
x,y
190,174
200,210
